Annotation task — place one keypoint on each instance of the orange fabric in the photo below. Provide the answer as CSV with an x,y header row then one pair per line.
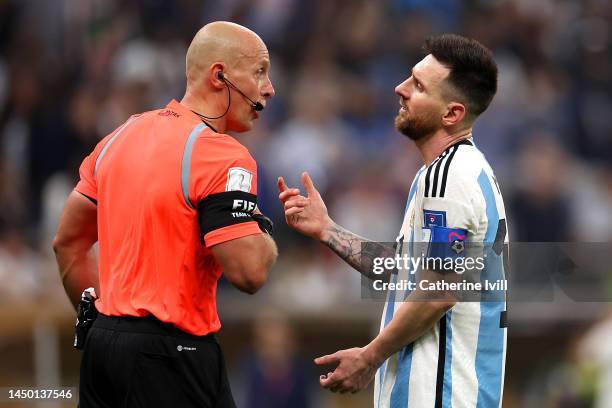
x,y
150,255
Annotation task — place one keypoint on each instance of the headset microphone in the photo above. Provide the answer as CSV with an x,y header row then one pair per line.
x,y
256,106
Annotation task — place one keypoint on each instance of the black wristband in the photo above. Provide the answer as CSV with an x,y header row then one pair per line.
x,y
265,224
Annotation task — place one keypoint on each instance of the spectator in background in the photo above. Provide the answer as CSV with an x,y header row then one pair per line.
x,y
540,204
20,266
275,375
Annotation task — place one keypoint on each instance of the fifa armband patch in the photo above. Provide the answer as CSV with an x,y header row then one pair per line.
x,y
225,209
238,179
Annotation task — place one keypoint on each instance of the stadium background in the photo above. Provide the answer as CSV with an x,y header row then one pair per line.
x,y
73,70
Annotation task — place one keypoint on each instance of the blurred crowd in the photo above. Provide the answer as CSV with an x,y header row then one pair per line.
x,y
71,71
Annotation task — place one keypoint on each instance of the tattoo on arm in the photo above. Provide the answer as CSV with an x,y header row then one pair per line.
x,y
357,251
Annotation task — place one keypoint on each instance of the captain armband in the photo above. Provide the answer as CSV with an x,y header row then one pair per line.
x,y
446,249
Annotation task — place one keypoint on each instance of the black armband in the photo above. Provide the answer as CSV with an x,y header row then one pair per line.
x,y
265,224
225,209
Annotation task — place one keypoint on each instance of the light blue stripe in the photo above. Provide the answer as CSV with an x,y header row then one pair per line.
x,y
399,393
447,390
489,351
186,162
413,188
110,142
411,273
391,297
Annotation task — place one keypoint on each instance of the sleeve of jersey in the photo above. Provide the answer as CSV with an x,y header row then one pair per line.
x,y
225,189
87,184
450,221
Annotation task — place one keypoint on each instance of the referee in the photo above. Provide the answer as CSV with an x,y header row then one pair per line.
x,y
172,202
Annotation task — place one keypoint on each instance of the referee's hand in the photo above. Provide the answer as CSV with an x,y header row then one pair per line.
x,y
307,215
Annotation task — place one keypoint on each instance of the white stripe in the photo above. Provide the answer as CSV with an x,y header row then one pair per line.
x,y
389,381
465,325
423,375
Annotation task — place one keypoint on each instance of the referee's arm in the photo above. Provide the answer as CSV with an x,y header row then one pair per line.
x,y
246,261
76,234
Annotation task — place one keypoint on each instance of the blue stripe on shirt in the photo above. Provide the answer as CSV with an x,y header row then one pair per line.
x,y
489,351
447,390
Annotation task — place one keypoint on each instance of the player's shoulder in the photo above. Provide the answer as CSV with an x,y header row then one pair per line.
x,y
221,150
456,168
468,161
222,142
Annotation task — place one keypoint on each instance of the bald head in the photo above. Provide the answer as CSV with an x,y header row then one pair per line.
x,y
220,42
229,100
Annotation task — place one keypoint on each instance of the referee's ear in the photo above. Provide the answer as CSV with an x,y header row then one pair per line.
x,y
455,114
215,79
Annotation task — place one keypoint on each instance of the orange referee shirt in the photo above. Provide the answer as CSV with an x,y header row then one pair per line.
x,y
165,184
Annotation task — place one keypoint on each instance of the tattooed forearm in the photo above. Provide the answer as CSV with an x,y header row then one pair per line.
x,y
357,251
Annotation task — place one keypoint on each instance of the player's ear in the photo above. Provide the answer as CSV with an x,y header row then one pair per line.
x,y
455,112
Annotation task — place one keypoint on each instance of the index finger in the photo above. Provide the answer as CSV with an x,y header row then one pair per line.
x,y
282,186
309,185
328,359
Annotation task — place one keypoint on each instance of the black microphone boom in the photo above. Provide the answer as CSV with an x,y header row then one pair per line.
x,y
256,106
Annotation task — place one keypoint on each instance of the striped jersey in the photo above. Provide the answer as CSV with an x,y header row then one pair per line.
x,y
459,361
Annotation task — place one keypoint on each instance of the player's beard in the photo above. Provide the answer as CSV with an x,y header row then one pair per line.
x,y
418,127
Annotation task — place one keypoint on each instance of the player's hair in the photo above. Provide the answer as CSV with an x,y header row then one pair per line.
x,y
473,71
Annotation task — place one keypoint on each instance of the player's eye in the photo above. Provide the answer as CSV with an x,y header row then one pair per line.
x,y
419,86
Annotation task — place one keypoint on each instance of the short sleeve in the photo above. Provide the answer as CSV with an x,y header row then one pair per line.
x,y
87,183
223,186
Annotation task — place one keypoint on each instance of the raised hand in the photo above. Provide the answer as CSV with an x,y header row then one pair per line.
x,y
307,215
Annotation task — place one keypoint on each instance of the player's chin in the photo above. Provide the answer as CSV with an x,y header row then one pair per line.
x,y
401,122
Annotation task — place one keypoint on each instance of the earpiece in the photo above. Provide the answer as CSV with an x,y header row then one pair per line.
x,y
220,76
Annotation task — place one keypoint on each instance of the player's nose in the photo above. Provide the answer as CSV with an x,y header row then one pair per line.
x,y
402,90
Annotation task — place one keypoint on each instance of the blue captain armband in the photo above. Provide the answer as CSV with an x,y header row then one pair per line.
x,y
446,249
445,244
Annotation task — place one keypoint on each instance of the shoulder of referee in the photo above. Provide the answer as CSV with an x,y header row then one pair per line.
x,y
212,158
211,147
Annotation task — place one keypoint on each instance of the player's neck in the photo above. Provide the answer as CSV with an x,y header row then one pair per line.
x,y
203,107
432,146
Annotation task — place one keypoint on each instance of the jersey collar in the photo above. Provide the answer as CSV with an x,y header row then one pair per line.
x,y
467,141
182,110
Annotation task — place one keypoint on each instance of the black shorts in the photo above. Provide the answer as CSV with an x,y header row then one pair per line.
x,y
142,362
